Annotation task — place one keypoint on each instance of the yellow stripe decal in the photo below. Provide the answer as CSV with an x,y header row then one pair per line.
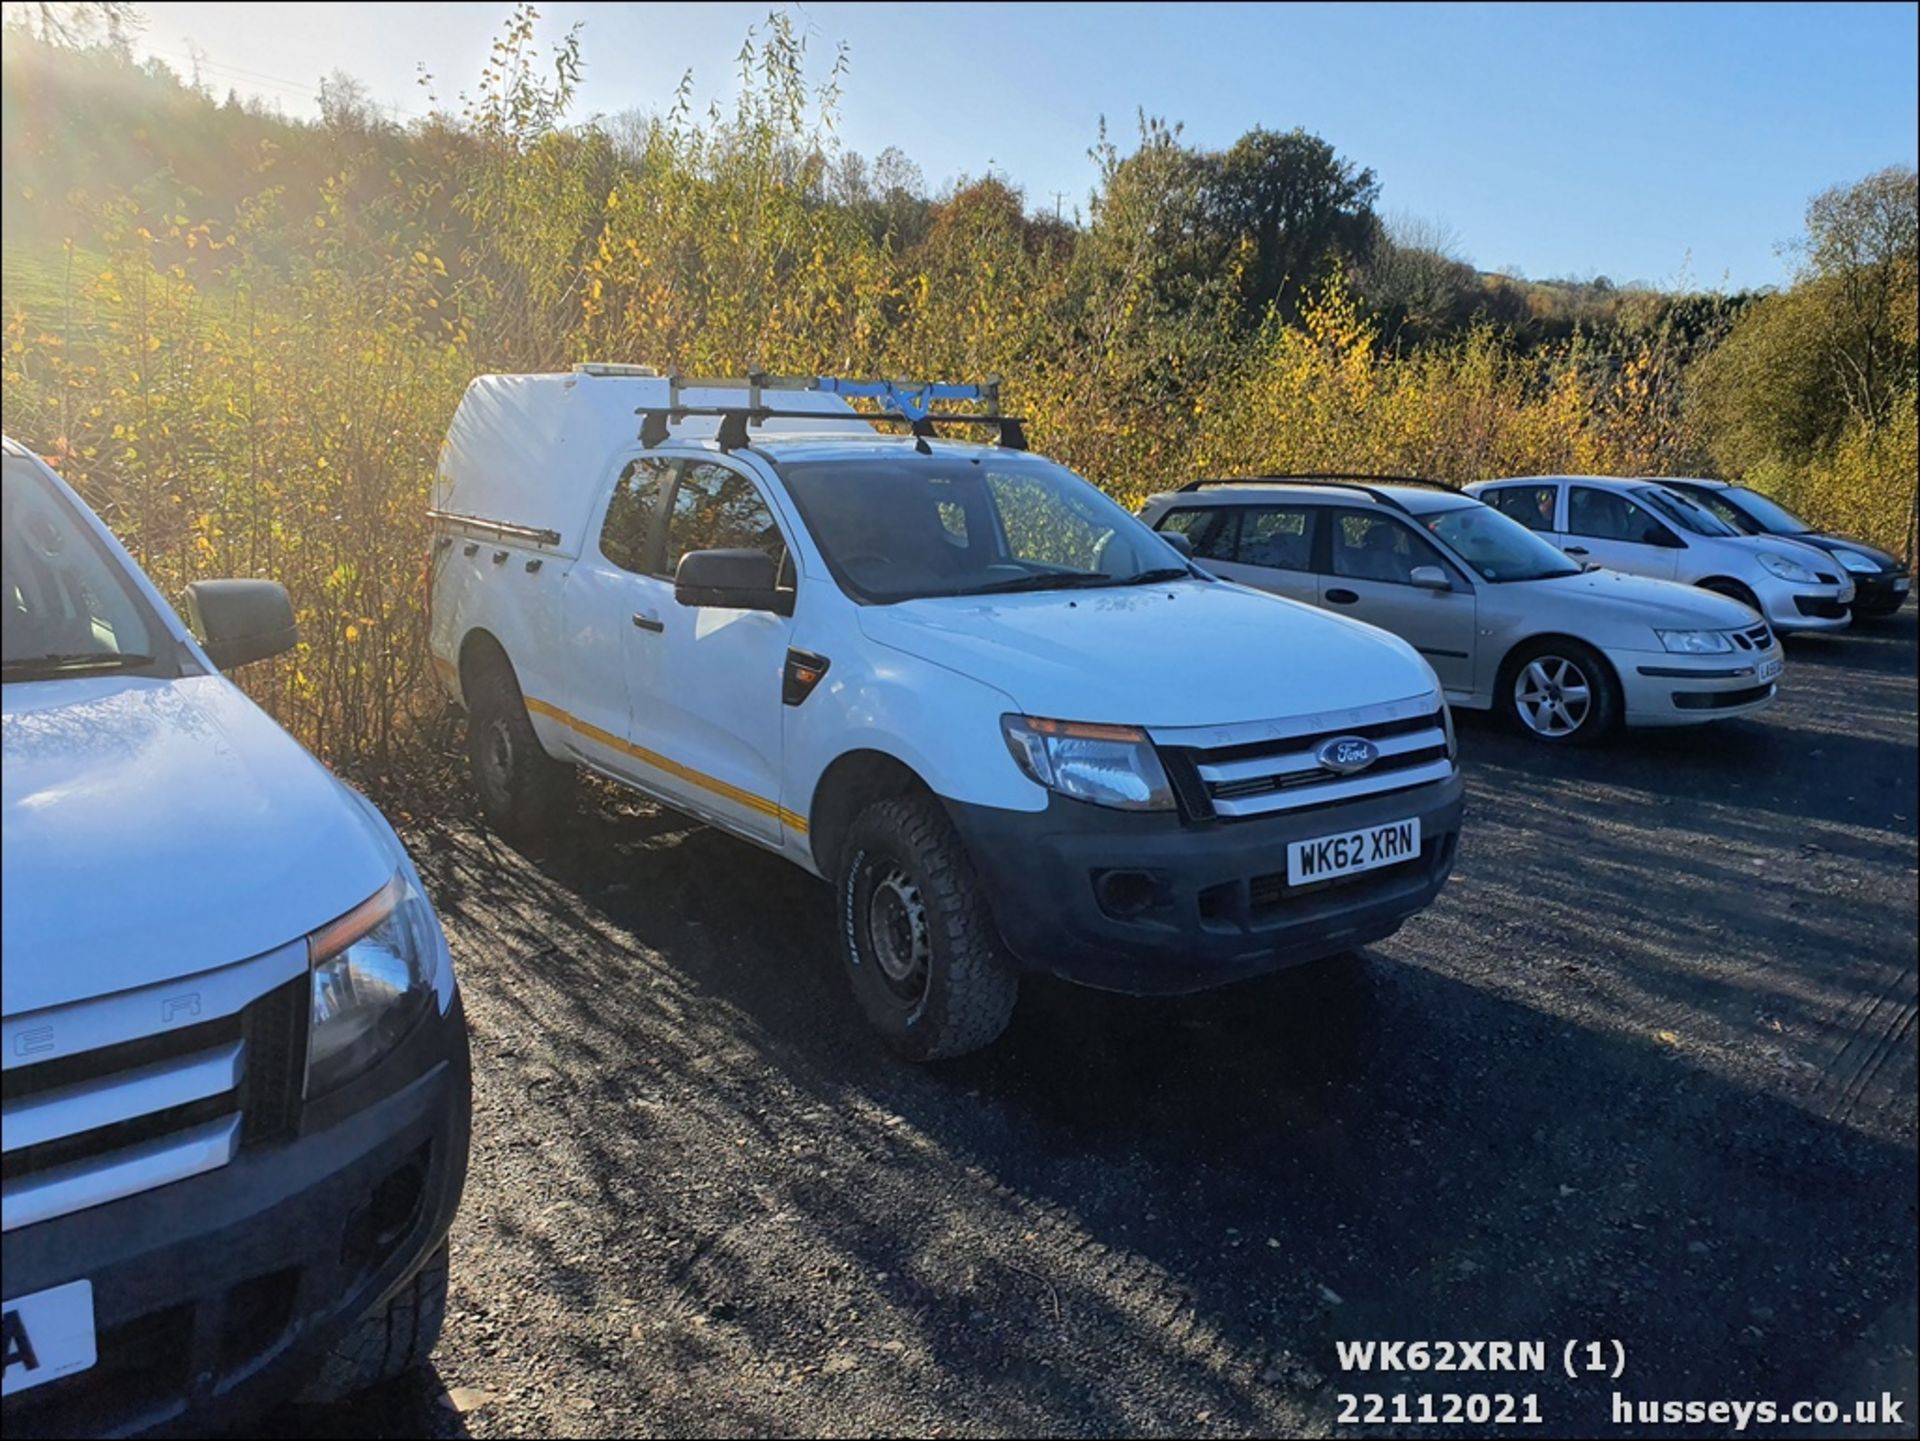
x,y
671,767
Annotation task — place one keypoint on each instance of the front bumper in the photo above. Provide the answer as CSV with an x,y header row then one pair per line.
x,y
1659,688
215,1297
1797,608
1221,910
1881,594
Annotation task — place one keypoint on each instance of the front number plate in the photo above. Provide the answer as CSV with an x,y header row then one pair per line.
x,y
48,1335
1350,852
1770,669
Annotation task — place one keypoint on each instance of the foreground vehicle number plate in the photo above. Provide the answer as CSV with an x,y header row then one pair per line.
x,y
49,1335
1770,669
1351,852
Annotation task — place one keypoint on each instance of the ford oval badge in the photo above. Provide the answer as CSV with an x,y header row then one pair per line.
x,y
1344,755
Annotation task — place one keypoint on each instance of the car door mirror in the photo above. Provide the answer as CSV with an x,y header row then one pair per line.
x,y
1179,542
241,620
741,579
1429,577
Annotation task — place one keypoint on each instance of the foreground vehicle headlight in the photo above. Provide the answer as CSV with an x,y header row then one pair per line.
x,y
372,972
1695,642
1107,765
1786,568
1857,563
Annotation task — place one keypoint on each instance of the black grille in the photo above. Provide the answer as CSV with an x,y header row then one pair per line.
x,y
276,1032
1719,699
1819,605
31,1080
1758,638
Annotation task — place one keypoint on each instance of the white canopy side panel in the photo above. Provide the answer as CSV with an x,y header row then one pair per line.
x,y
535,450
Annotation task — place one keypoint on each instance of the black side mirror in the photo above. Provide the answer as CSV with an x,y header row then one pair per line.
x,y
730,579
241,620
1179,542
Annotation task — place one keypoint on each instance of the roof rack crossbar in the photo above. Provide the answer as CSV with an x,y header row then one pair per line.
x,y
909,402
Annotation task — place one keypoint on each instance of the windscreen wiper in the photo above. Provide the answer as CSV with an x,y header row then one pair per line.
x,y
1165,572
70,663
1041,580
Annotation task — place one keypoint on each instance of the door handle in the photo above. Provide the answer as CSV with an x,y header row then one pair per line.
x,y
1343,596
1577,550
647,622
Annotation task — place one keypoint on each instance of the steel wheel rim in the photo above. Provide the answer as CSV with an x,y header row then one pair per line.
x,y
496,760
897,932
1552,696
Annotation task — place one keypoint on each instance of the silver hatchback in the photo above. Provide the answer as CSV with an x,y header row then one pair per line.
x,y
1506,620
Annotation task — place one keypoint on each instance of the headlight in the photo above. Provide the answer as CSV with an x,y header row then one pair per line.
x,y
372,972
1107,765
1695,642
1786,568
1857,563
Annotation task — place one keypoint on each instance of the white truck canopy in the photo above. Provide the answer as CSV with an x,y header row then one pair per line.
x,y
530,453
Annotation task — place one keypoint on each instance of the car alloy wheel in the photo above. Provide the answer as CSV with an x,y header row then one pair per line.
x,y
1553,696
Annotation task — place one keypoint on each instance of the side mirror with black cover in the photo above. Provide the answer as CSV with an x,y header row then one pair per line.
x,y
1179,542
241,620
742,579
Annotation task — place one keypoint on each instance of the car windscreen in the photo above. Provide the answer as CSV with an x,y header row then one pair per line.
x,y
901,527
1494,546
68,607
1682,511
1769,515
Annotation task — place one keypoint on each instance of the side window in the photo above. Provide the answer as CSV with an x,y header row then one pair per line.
x,y
1280,537
1375,547
717,508
631,512
1603,515
1210,529
1531,505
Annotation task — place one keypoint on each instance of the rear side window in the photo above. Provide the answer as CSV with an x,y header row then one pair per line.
x,y
632,511
1209,529
1279,537
1372,547
1603,515
717,508
1531,505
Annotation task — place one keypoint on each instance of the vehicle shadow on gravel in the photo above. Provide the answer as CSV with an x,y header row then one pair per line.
x,y
733,1212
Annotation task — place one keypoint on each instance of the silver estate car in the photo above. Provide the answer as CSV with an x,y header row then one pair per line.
x,y
1507,621
1646,527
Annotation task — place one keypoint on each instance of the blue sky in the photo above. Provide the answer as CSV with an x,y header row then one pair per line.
x,y
1672,144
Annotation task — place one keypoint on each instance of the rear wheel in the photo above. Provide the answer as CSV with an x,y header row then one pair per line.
x,y
1560,692
523,791
920,947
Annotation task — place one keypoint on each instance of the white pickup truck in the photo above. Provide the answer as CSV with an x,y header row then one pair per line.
x,y
1013,726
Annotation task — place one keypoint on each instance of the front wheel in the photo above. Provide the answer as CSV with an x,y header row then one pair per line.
x,y
1560,692
388,1342
926,963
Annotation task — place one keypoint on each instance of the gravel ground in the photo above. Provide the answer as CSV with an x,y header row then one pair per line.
x,y
1646,1072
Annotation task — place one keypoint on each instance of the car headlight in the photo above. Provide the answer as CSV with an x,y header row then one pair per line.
x,y
1786,568
1107,765
1695,642
372,971
1857,563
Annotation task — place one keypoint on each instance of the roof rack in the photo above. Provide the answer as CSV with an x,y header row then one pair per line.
x,y
1367,485
903,402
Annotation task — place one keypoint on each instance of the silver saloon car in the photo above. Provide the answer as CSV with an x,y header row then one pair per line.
x,y
1507,621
